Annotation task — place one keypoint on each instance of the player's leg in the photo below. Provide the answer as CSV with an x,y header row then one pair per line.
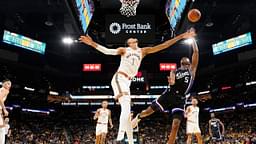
x,y
174,130
2,130
178,116
160,104
199,138
98,134
104,133
117,93
219,141
121,87
98,139
189,138
125,117
142,114
147,112
189,131
103,138
213,140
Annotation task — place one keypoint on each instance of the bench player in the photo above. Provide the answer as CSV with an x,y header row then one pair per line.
x,y
4,91
103,117
216,129
192,115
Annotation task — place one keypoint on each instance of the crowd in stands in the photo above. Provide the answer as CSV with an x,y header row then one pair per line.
x,y
31,128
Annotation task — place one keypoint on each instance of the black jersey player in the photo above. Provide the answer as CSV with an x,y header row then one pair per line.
x,y
216,129
180,82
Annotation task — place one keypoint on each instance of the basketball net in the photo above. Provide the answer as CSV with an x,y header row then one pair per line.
x,y
129,7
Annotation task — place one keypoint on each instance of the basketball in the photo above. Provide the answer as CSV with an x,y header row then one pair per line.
x,y
194,15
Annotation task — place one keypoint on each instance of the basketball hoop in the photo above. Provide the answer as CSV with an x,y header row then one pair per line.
x,y
129,7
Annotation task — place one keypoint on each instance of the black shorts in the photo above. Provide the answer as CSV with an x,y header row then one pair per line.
x,y
170,101
217,138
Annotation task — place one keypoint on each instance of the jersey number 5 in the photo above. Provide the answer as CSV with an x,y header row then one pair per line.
x,y
186,79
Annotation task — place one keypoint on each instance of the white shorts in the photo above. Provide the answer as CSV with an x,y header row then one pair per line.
x,y
101,128
120,84
193,128
2,135
1,120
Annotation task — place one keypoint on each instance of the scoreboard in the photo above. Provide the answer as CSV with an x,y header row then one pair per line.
x,y
23,42
174,10
233,43
84,13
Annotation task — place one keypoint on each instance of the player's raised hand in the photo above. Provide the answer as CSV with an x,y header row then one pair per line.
x,y
171,78
86,39
189,34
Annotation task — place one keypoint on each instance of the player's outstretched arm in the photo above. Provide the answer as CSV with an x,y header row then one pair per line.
x,y
210,128
195,58
110,120
88,40
168,43
223,127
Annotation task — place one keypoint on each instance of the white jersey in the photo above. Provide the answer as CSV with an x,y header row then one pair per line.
x,y
193,115
103,116
130,61
3,94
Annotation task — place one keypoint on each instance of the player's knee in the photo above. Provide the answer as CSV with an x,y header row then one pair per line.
x,y
189,136
125,116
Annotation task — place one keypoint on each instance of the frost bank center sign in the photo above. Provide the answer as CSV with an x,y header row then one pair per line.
x,y
120,28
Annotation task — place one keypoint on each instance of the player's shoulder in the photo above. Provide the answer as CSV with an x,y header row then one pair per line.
x,y
122,50
189,107
218,120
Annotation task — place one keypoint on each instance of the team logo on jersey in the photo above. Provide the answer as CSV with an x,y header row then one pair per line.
x,y
115,28
133,55
181,75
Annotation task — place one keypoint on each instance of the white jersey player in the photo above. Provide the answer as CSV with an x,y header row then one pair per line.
x,y
131,58
4,91
103,117
192,115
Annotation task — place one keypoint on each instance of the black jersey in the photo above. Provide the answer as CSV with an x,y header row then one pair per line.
x,y
183,81
215,127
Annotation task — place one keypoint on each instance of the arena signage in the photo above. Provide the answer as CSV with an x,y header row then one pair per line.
x,y
140,77
137,79
120,28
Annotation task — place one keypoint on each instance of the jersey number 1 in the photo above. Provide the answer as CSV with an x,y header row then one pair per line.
x,y
133,60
